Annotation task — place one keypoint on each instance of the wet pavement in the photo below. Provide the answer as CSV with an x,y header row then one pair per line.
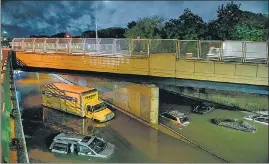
x,y
134,141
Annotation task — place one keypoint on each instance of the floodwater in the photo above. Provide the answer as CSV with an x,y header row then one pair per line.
x,y
134,141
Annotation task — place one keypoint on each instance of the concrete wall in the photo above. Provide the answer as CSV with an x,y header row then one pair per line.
x,y
139,100
156,65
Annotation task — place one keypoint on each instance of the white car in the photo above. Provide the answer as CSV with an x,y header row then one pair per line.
x,y
263,119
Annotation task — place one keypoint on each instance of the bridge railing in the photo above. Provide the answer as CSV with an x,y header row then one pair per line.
x,y
214,50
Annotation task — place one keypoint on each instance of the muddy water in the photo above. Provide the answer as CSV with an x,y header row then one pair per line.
x,y
134,141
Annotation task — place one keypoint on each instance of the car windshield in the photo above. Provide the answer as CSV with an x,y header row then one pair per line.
x,y
97,145
99,107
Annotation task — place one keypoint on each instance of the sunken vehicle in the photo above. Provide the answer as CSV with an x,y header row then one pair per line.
x,y
71,143
176,117
203,108
235,124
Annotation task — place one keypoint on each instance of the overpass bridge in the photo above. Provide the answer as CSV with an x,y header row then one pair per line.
x,y
224,65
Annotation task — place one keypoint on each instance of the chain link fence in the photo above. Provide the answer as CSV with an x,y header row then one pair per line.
x,y
39,45
63,45
122,47
232,51
189,49
214,50
77,46
166,46
140,47
210,50
256,52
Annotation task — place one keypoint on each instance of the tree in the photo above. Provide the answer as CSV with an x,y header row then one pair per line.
x,y
149,27
227,18
59,35
245,32
131,24
251,26
112,32
188,26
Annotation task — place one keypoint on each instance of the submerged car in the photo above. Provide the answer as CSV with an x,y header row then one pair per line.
x,y
203,108
235,124
66,143
176,117
263,119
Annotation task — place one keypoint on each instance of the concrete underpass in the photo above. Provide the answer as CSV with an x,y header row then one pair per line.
x,y
134,140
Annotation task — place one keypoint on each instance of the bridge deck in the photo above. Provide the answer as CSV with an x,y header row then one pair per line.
x,y
160,65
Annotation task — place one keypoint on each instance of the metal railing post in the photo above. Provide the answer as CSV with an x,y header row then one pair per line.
x,y
56,45
70,46
243,51
131,47
221,51
198,48
33,44
45,45
148,46
22,44
84,46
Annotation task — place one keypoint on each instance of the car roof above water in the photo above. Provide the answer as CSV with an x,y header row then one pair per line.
x,y
176,113
73,137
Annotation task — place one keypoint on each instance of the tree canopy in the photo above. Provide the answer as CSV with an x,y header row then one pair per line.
x,y
231,24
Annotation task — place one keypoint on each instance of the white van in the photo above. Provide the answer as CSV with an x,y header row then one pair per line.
x,y
66,143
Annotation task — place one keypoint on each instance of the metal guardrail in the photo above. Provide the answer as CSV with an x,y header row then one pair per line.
x,y
11,107
216,50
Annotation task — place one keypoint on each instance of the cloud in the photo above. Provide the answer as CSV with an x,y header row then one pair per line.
x,y
24,18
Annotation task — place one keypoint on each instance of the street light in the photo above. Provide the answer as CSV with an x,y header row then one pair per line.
x,y
96,33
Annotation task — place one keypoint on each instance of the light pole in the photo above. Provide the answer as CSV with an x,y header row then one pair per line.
x,y
96,33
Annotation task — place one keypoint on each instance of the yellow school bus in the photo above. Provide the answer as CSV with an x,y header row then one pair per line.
x,y
77,100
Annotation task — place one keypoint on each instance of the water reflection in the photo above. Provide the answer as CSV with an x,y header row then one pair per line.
x,y
134,141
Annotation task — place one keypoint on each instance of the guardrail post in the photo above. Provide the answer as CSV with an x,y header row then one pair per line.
x,y
148,46
70,46
84,46
244,51
177,49
33,44
131,47
198,48
221,51
45,45
56,45
22,44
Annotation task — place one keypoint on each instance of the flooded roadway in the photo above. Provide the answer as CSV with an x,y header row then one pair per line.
x,y
134,141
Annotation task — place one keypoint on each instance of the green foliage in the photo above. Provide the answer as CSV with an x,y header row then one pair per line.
x,y
188,26
149,27
112,32
163,46
245,32
227,17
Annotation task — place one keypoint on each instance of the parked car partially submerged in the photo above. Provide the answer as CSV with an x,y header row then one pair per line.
x,y
235,124
263,119
66,143
176,117
203,108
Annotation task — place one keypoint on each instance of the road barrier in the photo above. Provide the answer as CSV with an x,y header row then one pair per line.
x,y
10,107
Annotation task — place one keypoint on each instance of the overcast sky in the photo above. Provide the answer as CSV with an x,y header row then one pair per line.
x,y
25,18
